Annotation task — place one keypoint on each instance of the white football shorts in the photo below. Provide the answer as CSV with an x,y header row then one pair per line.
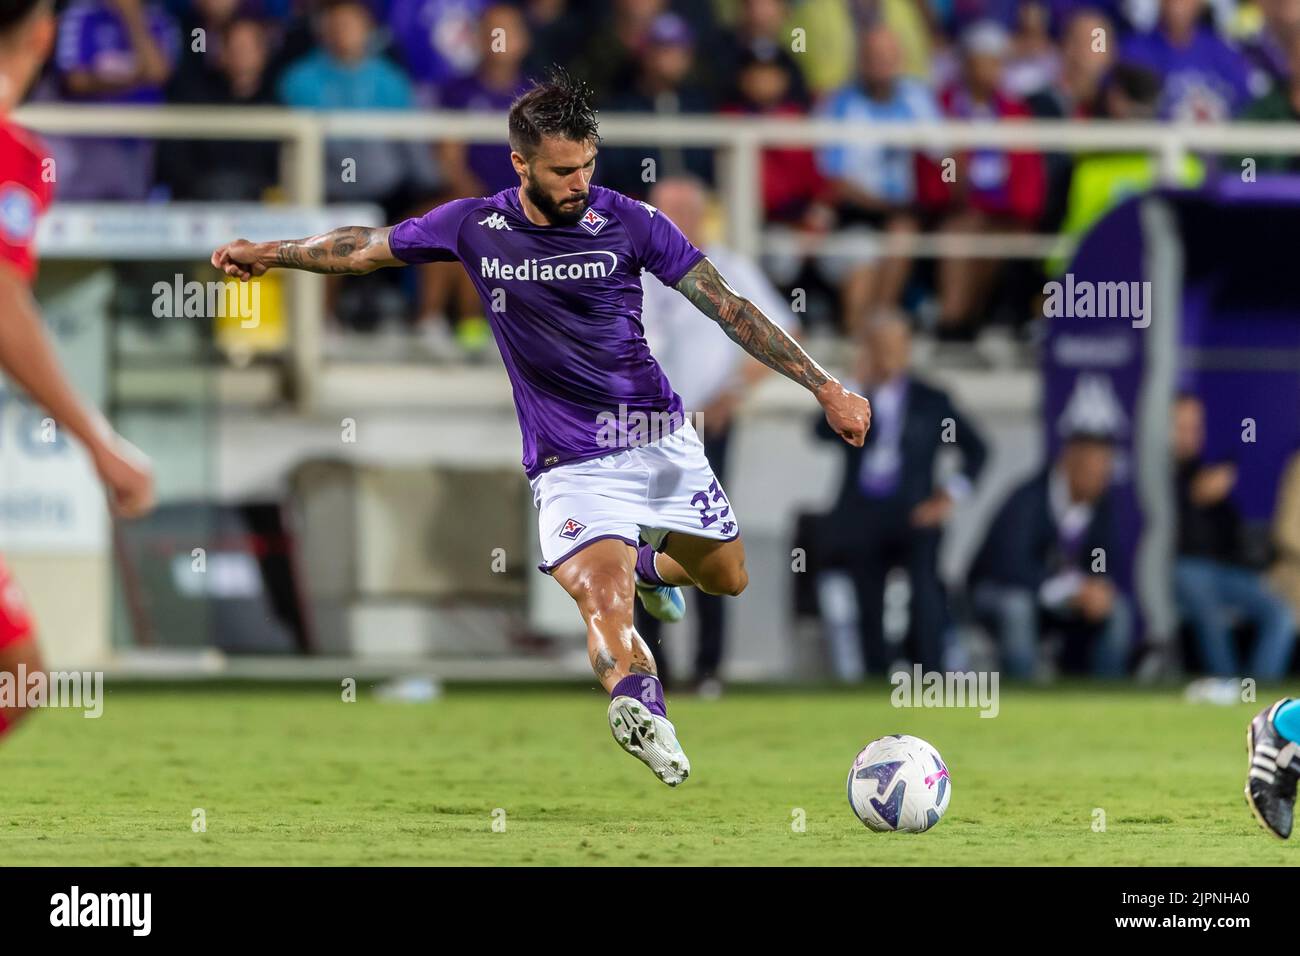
x,y
637,493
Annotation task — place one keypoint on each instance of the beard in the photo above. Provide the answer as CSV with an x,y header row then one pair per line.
x,y
555,213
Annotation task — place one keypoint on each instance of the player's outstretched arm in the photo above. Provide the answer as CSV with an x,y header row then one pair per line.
x,y
849,414
28,358
349,250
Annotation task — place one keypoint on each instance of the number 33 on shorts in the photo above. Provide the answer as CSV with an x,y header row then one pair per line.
x,y
708,503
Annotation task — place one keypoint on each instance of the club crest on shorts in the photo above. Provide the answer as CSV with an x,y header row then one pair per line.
x,y
593,221
572,529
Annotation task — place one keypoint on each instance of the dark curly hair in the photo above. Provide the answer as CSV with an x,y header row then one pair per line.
x,y
561,106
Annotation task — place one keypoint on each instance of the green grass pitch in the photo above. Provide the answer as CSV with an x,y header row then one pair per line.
x,y
297,776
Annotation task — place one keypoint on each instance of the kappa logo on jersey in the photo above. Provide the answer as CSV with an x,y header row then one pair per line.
x,y
649,208
572,529
17,214
593,221
496,221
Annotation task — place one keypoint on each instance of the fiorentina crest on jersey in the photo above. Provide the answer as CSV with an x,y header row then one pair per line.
x,y
572,529
593,221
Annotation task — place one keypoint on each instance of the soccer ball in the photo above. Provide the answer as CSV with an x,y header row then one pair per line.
x,y
899,782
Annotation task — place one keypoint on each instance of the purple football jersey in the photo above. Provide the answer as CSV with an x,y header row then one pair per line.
x,y
564,303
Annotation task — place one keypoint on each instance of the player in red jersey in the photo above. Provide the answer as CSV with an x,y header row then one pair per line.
x,y
27,30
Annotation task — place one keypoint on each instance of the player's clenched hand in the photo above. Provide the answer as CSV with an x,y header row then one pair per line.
x,y
239,259
848,412
127,475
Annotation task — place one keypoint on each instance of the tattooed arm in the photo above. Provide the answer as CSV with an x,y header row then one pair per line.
x,y
849,414
350,250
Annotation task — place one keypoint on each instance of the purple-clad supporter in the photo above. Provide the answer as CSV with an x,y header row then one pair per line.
x,y
1034,61
437,40
480,169
959,15
115,51
111,51
1266,50
1204,79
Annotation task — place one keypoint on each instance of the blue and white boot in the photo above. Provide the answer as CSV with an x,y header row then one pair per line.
x,y
662,602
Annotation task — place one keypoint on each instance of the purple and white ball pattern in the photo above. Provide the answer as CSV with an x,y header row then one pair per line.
x,y
899,783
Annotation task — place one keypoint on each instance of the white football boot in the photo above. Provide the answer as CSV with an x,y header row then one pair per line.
x,y
650,738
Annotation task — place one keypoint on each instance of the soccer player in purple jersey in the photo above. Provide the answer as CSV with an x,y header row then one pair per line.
x,y
628,505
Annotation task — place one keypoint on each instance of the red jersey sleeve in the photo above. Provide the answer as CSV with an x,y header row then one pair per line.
x,y
25,193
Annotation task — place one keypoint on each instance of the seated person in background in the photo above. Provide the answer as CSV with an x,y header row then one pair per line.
x,y
665,83
111,51
873,187
1101,181
198,68
1042,567
473,169
224,170
760,26
1209,582
890,511
1075,94
1035,60
1266,49
1203,78
765,86
1281,104
343,73
988,190
434,39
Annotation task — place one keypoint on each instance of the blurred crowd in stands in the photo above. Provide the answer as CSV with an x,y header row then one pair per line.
x,y
859,61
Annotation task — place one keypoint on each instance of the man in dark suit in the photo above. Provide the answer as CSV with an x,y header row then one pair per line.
x,y
890,512
1042,568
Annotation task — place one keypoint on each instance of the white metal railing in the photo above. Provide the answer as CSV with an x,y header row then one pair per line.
x,y
739,141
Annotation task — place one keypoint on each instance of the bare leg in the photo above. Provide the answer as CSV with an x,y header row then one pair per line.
x,y
601,581
715,567
27,653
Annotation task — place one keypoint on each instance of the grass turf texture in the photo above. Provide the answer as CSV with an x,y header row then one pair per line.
x,y
296,776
